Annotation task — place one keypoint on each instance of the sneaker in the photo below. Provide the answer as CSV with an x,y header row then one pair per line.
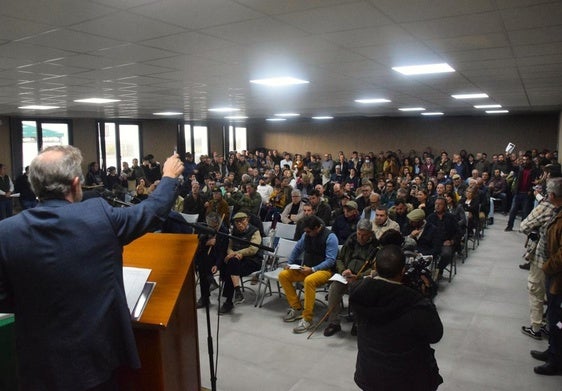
x,y
331,329
302,327
531,333
545,331
525,266
292,315
226,308
238,297
508,229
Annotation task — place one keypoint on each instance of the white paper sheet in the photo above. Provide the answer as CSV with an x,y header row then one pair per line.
x,y
134,279
339,278
295,266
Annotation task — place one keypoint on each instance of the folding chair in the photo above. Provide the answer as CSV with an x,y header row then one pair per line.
x,y
285,231
271,272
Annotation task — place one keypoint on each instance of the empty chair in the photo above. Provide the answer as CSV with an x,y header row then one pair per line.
x,y
286,231
283,251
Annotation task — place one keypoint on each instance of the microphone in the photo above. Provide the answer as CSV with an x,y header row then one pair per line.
x,y
113,200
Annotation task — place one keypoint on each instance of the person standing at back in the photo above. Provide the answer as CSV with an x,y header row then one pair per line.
x,y
73,328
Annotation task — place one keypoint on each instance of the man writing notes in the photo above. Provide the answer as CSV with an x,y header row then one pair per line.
x,y
61,274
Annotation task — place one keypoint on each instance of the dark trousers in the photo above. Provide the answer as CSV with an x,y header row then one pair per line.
x,y
5,207
446,257
235,267
554,317
520,201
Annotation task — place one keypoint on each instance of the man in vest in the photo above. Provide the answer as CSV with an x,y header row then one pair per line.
x,y
320,249
241,260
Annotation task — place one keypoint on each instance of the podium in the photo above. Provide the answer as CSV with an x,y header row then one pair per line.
x,y
166,334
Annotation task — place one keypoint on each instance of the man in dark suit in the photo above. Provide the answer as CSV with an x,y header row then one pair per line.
x,y
61,274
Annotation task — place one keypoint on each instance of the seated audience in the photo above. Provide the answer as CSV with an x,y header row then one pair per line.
x,y
319,248
293,211
354,261
345,224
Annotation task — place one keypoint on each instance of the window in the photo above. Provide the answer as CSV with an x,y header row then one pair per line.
x,y
118,143
37,135
237,139
196,140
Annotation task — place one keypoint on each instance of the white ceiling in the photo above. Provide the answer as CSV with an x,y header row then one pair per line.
x,y
192,55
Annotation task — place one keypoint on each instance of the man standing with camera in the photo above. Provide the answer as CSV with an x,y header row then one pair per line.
x,y
395,326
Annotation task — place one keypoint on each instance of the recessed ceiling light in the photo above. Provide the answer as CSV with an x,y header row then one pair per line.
x,y
287,115
470,96
487,106
168,113
497,111
411,109
276,119
279,81
97,100
38,107
372,100
224,109
235,117
432,113
323,117
424,69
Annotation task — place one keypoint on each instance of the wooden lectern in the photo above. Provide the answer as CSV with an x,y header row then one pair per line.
x,y
166,333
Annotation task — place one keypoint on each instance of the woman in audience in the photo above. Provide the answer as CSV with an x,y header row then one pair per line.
x,y
471,205
456,210
424,202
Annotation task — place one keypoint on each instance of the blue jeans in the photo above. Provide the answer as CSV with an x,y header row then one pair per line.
x,y
520,201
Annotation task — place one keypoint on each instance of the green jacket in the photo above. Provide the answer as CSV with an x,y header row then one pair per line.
x,y
352,256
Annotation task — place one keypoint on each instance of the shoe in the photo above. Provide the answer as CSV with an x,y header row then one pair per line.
x,y
254,280
331,329
545,331
292,315
538,355
548,370
302,327
354,329
508,229
531,333
226,308
200,303
525,266
213,285
238,297
490,221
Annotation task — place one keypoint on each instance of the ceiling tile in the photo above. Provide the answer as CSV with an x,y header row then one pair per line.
x,y
195,14
189,43
541,15
407,10
474,24
336,18
72,40
126,26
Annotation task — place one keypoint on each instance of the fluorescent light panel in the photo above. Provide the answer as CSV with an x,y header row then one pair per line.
x,y
471,96
38,107
276,119
97,100
235,117
497,111
323,117
224,109
168,113
372,100
287,115
411,109
279,81
487,106
432,113
424,69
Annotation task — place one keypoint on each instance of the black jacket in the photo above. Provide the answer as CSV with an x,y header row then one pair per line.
x,y
395,326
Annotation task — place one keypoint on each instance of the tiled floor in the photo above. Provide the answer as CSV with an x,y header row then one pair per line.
x,y
482,348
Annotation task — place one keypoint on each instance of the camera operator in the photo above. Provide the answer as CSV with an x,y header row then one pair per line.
x,y
395,326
